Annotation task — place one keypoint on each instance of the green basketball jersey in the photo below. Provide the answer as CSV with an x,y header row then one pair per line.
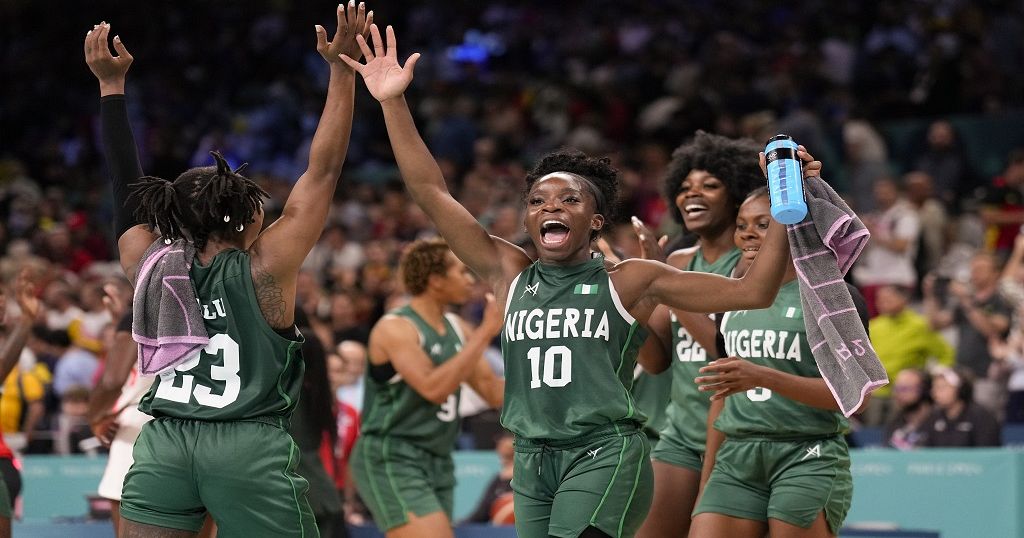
x,y
774,337
652,392
247,370
394,409
569,348
691,405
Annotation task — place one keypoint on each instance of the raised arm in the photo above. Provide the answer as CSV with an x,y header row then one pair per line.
x,y
119,147
395,340
28,302
491,258
281,248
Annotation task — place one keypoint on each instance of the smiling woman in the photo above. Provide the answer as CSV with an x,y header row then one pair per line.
x,y
582,463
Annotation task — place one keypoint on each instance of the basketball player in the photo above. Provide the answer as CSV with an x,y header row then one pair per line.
x,y
777,457
570,338
419,355
705,183
218,441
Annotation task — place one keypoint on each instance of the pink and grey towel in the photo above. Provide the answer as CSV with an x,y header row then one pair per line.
x,y
168,323
824,247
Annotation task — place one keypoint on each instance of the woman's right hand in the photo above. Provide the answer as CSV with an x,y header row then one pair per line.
x,y
110,70
494,318
651,248
384,78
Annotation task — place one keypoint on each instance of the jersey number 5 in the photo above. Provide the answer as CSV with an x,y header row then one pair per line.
x,y
556,354
171,390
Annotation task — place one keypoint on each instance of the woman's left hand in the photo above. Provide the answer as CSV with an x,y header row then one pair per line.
x,y
812,168
729,376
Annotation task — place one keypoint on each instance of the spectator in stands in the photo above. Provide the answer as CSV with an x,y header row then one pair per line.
x,y
86,331
61,307
903,340
353,358
1008,355
499,486
911,395
946,162
76,367
22,405
867,161
1002,209
336,461
889,256
72,424
956,420
979,314
935,225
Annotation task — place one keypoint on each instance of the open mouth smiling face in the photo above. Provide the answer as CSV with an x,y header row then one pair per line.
x,y
561,215
703,201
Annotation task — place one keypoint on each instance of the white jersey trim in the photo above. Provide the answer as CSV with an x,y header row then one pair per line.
x,y
618,303
511,290
456,323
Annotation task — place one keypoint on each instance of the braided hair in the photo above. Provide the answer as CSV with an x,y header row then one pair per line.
x,y
202,202
599,172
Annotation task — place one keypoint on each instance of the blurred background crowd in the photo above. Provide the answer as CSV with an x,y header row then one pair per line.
x,y
915,108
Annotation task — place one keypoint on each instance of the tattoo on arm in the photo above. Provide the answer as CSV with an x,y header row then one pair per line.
x,y
270,297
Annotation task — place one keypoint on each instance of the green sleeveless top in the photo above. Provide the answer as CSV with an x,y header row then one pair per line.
x,y
774,337
394,409
569,348
691,405
247,370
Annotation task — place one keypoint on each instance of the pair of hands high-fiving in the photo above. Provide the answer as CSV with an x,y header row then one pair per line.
x,y
384,77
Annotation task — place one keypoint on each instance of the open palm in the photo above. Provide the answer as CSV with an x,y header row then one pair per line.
x,y
383,76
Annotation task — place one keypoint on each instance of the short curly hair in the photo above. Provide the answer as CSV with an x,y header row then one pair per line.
x,y
732,161
421,259
598,170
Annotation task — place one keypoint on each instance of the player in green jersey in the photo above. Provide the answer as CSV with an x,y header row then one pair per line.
x,y
218,442
705,183
419,356
570,335
776,454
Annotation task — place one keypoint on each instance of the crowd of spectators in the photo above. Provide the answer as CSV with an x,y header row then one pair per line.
x,y
499,84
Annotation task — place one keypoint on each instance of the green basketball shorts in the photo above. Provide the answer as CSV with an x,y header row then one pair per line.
x,y
601,480
395,477
791,481
242,472
676,448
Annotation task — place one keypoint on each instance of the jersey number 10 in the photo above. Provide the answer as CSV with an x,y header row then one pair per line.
x,y
556,354
169,388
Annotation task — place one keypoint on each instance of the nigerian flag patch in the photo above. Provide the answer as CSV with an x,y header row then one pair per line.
x,y
585,289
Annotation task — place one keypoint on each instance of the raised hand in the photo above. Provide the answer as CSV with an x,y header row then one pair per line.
x,y
812,168
354,21
651,248
493,317
25,294
383,76
110,70
112,302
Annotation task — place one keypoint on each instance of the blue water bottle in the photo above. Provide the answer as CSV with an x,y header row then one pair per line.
x,y
785,180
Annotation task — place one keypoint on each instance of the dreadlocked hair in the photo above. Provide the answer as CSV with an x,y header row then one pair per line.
x,y
732,161
202,202
598,171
